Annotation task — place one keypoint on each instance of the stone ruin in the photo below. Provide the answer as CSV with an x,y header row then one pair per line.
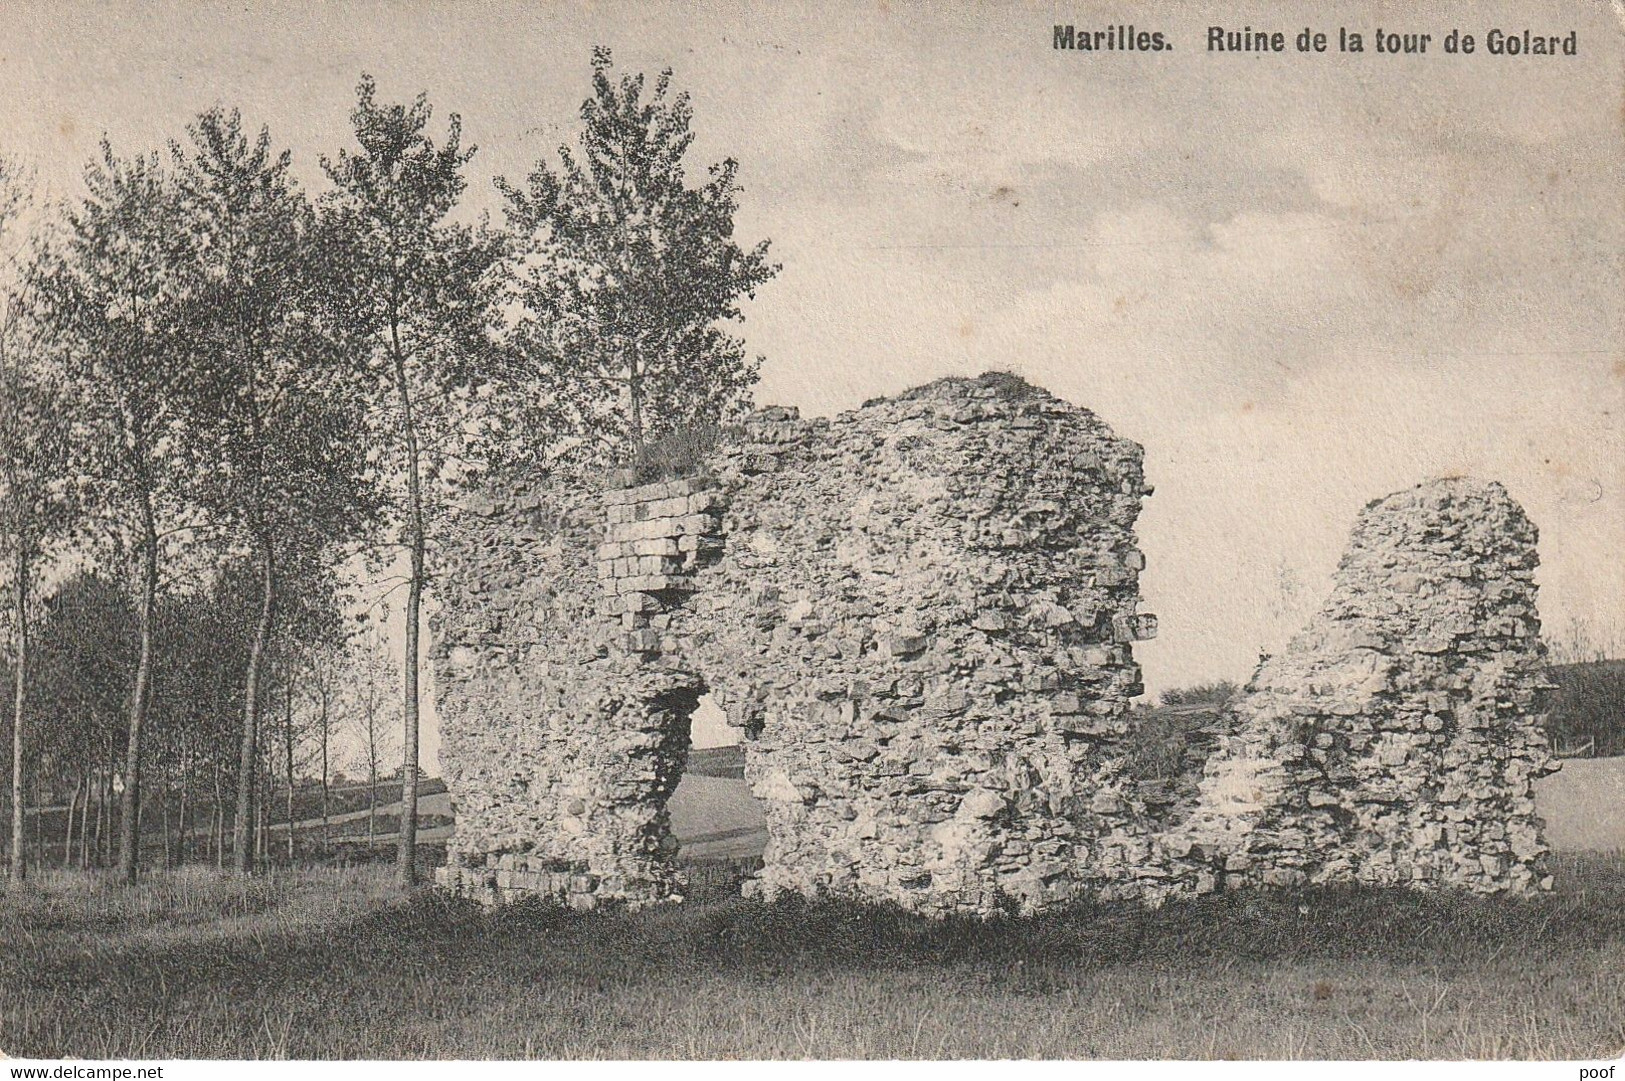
x,y
1398,738
918,612
920,615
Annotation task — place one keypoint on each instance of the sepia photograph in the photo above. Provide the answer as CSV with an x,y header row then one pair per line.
x,y
617,530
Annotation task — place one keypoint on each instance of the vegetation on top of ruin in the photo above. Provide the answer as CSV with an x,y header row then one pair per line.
x,y
1170,744
1217,693
1006,386
679,452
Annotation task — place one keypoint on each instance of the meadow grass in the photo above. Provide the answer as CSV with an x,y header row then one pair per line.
x,y
327,964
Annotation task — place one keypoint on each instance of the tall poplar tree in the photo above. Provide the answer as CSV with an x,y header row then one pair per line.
x,y
112,292
36,486
422,287
274,420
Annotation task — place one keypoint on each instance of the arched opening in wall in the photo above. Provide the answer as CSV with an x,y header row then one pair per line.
x,y
709,726
719,825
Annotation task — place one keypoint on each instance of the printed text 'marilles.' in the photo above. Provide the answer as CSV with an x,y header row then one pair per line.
x,y
1118,38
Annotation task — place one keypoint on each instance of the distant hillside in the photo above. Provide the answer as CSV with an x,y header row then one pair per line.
x,y
1586,715
726,761
1589,707
1583,805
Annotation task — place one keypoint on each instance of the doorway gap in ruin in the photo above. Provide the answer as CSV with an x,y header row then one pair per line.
x,y
712,827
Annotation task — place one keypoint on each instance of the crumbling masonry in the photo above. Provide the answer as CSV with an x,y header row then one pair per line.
x,y
1398,738
921,614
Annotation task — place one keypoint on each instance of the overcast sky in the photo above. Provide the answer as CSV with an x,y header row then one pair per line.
x,y
1301,281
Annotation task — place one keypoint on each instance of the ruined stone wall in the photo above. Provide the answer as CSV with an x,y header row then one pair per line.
x,y
923,622
559,743
919,612
1396,739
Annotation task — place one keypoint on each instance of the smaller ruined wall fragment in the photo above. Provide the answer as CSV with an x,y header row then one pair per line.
x,y
1396,740
561,742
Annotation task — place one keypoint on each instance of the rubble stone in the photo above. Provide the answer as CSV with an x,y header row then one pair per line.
x,y
919,612
1397,739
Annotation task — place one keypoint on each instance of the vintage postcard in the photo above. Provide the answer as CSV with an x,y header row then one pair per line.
x,y
786,530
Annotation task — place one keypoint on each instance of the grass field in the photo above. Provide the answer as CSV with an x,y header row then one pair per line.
x,y
324,964
304,964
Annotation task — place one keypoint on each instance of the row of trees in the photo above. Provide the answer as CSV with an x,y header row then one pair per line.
x,y
219,387
329,703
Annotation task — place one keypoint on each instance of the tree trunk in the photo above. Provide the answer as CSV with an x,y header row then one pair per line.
x,y
129,828
67,836
219,822
183,825
287,747
84,823
406,854
163,819
67,827
325,838
140,822
262,855
267,800
372,787
104,857
258,813
248,762
634,387
19,859
93,853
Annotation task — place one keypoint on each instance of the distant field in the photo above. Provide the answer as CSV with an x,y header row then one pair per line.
x,y
1584,805
726,761
715,816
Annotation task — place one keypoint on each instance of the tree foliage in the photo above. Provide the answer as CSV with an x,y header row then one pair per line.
x,y
274,416
115,292
36,485
273,419
38,493
417,288
215,390
629,279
